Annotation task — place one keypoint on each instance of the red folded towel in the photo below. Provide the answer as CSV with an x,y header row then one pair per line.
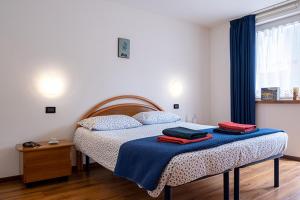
x,y
164,138
236,126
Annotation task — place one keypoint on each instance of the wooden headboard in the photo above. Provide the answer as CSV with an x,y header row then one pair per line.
x,y
107,107
141,104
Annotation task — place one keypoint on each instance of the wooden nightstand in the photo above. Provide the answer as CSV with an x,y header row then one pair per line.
x,y
46,161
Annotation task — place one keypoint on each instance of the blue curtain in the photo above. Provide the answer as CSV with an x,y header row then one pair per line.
x,y
242,69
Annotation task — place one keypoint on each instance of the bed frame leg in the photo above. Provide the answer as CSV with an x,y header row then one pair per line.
x,y
168,193
226,185
276,172
87,164
236,183
79,162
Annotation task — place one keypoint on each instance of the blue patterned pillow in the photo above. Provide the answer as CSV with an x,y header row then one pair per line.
x,y
156,117
109,122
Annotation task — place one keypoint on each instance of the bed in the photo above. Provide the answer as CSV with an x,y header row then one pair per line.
x,y
103,147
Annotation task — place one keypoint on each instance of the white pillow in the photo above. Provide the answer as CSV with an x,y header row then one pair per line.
x,y
156,117
109,122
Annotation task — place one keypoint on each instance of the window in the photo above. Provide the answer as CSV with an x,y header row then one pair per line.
x,y
278,57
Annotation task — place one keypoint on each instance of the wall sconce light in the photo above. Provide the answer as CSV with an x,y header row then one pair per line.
x,y
51,83
175,88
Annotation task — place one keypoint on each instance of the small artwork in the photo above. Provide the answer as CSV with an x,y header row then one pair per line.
x,y
123,48
271,93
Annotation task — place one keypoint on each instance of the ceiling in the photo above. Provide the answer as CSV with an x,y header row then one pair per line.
x,y
207,13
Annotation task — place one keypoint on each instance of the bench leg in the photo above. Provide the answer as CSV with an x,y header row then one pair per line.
x,y
236,183
226,185
87,164
168,193
276,172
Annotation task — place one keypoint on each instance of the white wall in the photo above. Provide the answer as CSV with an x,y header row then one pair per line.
x,y
220,74
281,116
79,38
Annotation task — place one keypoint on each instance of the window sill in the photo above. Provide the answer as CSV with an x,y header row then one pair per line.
x,y
286,101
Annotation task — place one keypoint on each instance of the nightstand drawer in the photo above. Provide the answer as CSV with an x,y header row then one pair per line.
x,y
47,170
54,155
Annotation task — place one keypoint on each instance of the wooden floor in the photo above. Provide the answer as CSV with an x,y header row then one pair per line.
x,y
256,183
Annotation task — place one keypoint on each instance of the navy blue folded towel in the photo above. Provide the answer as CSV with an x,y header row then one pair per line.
x,y
186,133
233,132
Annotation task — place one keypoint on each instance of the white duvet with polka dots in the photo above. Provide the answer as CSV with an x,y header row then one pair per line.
x,y
103,147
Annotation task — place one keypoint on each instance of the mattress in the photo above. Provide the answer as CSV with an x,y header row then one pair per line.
x,y
103,147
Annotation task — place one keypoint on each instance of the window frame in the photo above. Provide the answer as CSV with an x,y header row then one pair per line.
x,y
269,25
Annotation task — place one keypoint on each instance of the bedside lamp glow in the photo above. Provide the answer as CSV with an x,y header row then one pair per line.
x,y
175,88
51,84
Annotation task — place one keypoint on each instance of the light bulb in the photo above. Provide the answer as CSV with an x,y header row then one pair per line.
x,y
51,83
175,88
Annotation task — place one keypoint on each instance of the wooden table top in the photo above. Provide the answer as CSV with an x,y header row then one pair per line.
x,y
45,146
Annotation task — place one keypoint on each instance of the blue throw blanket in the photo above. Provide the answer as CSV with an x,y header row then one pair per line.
x,y
143,160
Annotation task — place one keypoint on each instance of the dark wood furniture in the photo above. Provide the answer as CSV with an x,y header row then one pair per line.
x,y
46,161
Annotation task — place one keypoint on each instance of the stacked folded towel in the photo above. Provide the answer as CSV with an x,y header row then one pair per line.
x,y
235,128
182,132
183,135
165,138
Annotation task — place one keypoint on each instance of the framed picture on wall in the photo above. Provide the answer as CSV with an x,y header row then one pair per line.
x,y
123,48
